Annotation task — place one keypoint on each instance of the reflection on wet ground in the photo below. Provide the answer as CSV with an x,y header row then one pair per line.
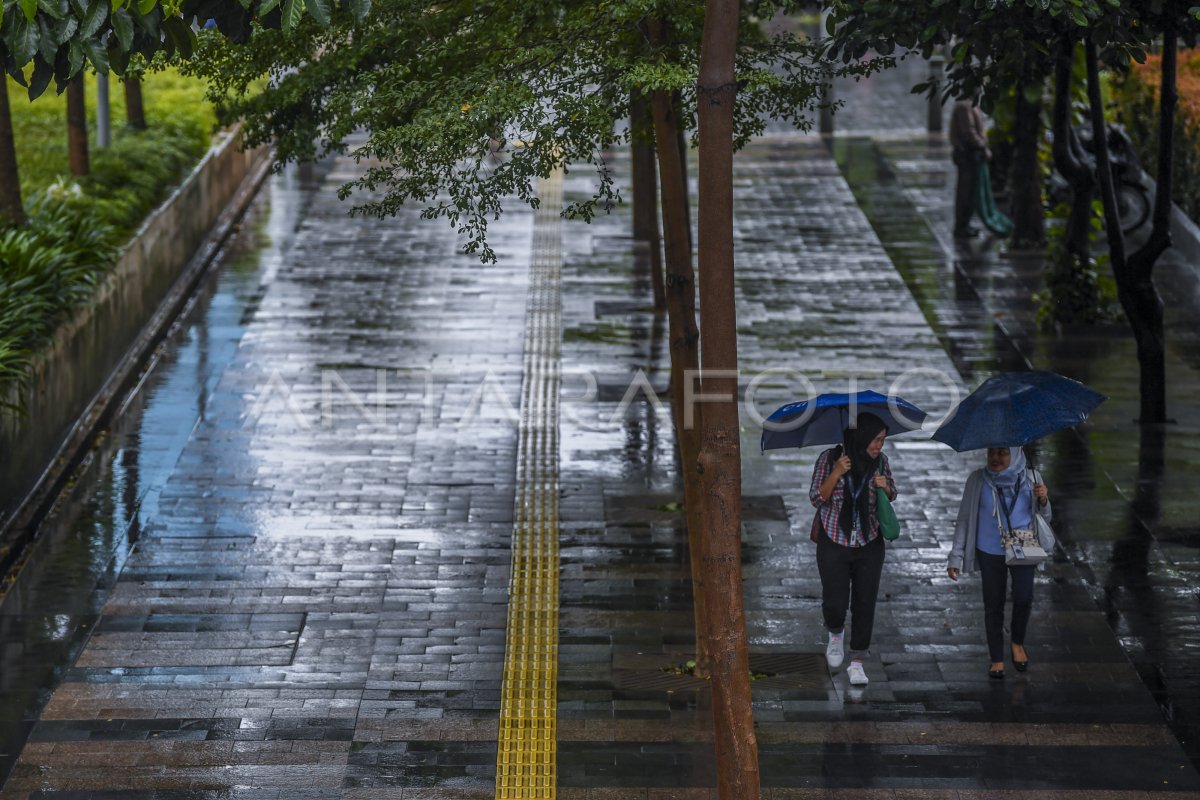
x,y
1124,497
54,603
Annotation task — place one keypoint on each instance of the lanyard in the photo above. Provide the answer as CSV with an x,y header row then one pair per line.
x,y
1007,507
855,493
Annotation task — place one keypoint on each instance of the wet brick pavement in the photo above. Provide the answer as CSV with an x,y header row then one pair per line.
x,y
317,604
1126,507
318,610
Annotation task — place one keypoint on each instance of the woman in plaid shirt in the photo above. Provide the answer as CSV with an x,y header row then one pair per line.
x,y
850,545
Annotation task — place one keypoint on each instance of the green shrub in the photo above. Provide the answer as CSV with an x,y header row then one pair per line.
x,y
76,225
47,268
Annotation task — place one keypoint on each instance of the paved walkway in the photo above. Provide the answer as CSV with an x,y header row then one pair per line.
x,y
318,602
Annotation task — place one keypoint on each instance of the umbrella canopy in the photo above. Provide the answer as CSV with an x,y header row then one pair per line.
x,y
822,419
1015,408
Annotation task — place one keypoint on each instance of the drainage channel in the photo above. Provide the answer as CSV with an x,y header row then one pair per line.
x,y
61,584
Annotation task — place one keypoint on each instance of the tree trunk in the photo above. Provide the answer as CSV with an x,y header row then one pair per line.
x,y
77,142
135,111
681,140
1070,160
1135,274
645,191
680,287
12,211
1029,220
720,464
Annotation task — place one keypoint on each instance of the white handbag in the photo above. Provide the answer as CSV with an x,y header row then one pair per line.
x,y
1024,548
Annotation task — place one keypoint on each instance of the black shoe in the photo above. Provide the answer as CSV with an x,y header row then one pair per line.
x,y
966,233
1021,665
997,674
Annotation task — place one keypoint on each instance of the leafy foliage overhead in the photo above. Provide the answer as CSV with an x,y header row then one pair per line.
x,y
464,104
44,40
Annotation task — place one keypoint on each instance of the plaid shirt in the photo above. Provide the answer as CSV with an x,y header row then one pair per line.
x,y
830,510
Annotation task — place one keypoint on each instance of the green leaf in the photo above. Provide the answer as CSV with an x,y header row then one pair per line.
x,y
74,57
25,39
320,11
48,41
359,9
122,27
42,73
97,12
118,58
29,7
96,54
180,35
52,9
266,7
144,7
293,10
64,29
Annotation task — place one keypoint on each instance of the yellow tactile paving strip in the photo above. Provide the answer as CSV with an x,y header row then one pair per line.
x,y
526,759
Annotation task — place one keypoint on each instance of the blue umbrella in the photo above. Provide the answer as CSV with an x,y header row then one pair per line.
x,y
1015,408
822,419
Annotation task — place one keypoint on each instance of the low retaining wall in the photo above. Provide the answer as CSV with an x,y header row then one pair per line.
x,y
70,374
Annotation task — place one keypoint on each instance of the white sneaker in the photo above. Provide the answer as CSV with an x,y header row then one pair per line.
x,y
834,653
857,675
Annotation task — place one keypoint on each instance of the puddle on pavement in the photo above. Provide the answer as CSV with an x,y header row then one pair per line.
x,y
81,547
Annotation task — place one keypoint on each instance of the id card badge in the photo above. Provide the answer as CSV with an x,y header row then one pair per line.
x,y
1018,551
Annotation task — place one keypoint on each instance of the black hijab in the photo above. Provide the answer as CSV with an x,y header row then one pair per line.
x,y
862,468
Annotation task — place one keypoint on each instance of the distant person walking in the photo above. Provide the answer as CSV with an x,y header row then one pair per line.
x,y
1003,495
968,140
850,544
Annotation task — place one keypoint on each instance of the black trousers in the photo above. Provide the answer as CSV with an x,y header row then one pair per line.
x,y
966,188
850,579
994,574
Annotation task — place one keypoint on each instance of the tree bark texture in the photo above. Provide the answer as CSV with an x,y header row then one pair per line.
x,y
1135,288
12,210
645,191
77,143
682,141
1029,219
1071,160
135,110
680,285
1151,342
720,452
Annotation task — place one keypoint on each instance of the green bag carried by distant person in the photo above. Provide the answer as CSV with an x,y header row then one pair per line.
x,y
992,217
889,523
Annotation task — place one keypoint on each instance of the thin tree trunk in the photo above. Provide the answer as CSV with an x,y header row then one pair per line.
x,y
684,343
135,111
681,139
645,191
1135,289
1067,159
12,211
1140,299
77,143
1029,221
720,464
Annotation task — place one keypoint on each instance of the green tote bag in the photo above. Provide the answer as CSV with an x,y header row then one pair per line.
x,y
889,524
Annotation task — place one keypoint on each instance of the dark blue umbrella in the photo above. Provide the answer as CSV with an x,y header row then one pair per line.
x,y
1015,408
822,419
